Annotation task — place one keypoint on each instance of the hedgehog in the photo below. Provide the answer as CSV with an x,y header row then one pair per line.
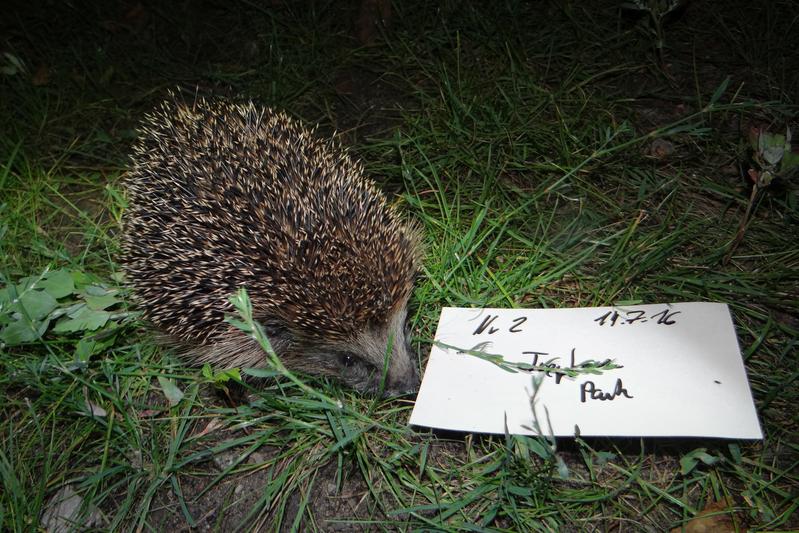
x,y
223,195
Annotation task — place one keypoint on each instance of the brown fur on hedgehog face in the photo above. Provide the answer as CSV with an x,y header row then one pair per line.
x,y
223,196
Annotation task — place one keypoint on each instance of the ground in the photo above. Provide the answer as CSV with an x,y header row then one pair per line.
x,y
554,156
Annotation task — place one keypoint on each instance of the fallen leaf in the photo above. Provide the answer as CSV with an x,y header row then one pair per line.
x,y
95,410
62,512
716,517
41,76
212,426
661,148
171,391
150,412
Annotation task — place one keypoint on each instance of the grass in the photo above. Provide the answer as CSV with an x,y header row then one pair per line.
x,y
520,138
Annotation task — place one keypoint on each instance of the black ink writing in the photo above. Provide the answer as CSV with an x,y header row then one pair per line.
x,y
558,369
516,323
486,324
614,316
589,390
665,317
637,316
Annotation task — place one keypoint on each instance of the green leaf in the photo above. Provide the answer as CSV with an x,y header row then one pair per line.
x,y
84,349
790,161
74,310
563,469
89,346
58,283
96,290
635,6
261,372
540,447
720,91
238,324
98,303
19,332
171,391
37,304
81,279
224,376
86,320
773,154
602,458
520,491
690,460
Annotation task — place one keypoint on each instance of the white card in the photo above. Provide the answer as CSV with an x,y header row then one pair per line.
x,y
680,373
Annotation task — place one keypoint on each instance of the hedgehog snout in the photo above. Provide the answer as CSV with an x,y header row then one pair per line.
x,y
407,385
393,372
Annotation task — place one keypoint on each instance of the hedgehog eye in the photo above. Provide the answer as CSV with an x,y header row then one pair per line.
x,y
346,359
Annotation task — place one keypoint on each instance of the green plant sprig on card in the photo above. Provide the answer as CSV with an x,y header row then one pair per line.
x,y
585,367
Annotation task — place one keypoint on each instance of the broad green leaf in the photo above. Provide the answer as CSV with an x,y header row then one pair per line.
x,y
790,161
84,349
87,346
81,279
5,298
75,310
58,283
19,332
96,290
87,320
98,303
37,304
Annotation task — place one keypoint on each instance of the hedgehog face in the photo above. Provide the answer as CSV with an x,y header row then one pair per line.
x,y
366,364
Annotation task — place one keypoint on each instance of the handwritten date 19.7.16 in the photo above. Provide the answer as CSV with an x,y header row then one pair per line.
x,y
612,318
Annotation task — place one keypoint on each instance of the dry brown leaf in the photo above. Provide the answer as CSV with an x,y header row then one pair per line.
x,y
41,76
661,148
716,517
212,426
